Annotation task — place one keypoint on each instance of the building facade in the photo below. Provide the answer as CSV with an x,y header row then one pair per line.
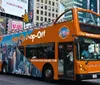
x,y
93,5
86,4
72,3
45,10
62,8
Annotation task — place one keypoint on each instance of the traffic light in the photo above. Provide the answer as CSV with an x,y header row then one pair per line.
x,y
25,17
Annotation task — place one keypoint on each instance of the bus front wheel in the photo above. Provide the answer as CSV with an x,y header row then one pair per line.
x,y
48,73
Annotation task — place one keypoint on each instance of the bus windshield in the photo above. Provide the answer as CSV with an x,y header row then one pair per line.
x,y
89,49
89,18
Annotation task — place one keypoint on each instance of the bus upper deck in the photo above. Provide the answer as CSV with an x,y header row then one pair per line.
x,y
73,22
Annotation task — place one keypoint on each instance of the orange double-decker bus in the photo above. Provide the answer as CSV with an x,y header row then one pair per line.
x,y
69,49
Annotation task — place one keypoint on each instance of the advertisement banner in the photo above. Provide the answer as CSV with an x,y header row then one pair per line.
x,y
2,25
31,10
14,25
14,7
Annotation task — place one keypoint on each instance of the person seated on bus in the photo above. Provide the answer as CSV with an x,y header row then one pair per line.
x,y
70,55
85,53
94,54
45,52
34,57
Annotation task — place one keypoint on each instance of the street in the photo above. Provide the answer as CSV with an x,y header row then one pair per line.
x,y
17,80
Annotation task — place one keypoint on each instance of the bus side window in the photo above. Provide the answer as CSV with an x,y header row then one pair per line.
x,y
50,52
30,52
41,51
46,51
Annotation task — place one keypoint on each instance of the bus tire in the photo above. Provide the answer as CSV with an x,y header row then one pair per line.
x,y
48,73
4,68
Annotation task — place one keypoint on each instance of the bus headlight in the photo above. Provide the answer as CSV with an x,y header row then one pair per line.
x,y
81,67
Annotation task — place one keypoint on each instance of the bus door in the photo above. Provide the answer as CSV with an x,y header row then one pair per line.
x,y
65,61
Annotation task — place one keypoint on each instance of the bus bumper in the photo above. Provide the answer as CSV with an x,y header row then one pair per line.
x,y
87,76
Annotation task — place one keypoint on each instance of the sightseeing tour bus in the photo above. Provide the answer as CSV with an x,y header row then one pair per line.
x,y
69,48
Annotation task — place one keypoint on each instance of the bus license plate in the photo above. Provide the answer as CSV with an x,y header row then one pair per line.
x,y
94,76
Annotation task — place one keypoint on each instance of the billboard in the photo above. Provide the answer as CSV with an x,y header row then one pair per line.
x,y
14,25
30,10
2,25
14,7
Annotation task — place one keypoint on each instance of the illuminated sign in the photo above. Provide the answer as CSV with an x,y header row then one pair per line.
x,y
14,25
2,25
17,25
14,7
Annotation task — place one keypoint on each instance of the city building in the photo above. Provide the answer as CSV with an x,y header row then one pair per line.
x,y
62,8
86,4
45,10
93,5
72,3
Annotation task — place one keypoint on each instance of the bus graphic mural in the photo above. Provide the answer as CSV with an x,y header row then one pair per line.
x,y
15,59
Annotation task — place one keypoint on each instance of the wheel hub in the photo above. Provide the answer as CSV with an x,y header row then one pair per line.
x,y
48,73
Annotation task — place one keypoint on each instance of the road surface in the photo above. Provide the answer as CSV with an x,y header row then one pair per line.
x,y
18,80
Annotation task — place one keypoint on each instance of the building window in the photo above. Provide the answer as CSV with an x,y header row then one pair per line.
x,y
49,19
53,3
56,10
42,12
52,14
37,17
45,7
41,18
41,6
37,11
53,9
56,15
49,14
49,8
45,1
38,0
49,2
45,19
45,13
